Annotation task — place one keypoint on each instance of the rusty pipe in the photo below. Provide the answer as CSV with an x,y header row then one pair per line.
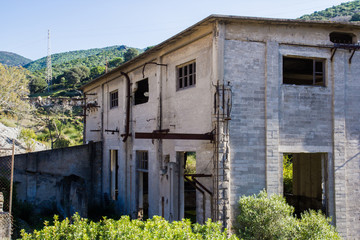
x,y
127,126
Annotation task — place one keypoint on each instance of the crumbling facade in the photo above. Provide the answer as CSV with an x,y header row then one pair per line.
x,y
240,93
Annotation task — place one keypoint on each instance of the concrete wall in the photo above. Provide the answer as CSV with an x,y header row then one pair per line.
x,y
270,118
67,179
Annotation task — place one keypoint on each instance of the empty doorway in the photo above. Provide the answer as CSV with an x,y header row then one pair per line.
x,y
304,176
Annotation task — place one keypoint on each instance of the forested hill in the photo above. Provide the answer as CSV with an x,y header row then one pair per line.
x,y
348,11
12,59
89,58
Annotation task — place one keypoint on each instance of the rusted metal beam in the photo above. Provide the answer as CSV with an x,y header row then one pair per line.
x,y
198,175
194,185
179,136
202,186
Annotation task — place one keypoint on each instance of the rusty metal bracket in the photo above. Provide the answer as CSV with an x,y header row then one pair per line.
x,y
112,131
333,51
352,54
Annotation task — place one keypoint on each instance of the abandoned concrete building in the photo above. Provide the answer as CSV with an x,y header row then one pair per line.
x,y
236,94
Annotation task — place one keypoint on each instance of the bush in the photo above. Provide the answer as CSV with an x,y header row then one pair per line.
x,y
270,217
124,228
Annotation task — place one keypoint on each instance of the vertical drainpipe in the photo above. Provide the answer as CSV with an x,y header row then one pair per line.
x,y
84,109
102,135
159,118
125,137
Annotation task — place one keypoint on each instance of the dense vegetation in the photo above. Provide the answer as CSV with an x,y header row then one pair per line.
x,y
260,217
12,59
349,11
124,228
270,217
72,69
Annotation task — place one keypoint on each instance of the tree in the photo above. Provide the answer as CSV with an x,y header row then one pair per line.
x,y
13,88
115,62
130,54
355,17
96,71
76,75
37,85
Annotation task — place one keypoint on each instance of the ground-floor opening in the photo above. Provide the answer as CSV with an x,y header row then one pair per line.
x,y
189,186
142,184
304,181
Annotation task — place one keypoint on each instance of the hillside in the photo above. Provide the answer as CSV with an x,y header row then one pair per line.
x,y
348,11
89,58
13,59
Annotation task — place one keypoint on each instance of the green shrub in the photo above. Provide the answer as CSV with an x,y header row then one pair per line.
x,y
314,225
263,217
124,228
270,217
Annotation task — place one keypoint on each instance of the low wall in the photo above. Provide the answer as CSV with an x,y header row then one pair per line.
x,y
67,179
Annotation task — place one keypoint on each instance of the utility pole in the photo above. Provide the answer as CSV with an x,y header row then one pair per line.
x,y
48,63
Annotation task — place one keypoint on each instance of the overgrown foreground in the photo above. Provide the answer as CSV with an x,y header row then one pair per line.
x,y
270,217
124,228
260,217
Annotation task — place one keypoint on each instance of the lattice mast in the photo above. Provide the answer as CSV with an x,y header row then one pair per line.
x,y
48,63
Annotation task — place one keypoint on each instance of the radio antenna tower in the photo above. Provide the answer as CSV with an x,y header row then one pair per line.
x,y
48,63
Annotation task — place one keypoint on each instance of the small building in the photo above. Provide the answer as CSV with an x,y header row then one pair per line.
x,y
236,94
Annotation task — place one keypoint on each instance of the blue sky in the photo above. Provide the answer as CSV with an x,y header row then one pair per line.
x,y
84,24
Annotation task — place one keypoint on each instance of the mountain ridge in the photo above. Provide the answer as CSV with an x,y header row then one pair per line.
x,y
13,59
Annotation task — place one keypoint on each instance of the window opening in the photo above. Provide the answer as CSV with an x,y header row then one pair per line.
x,y
304,181
114,99
114,177
338,37
142,184
189,189
142,92
303,71
186,75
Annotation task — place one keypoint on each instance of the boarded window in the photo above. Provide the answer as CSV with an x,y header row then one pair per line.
x,y
337,37
114,99
142,92
303,71
186,75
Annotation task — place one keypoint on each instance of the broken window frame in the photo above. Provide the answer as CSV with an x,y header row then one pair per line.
x,y
186,75
142,161
139,96
114,99
341,37
315,73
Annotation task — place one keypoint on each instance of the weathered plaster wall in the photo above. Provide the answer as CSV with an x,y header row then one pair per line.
x,y
66,178
182,111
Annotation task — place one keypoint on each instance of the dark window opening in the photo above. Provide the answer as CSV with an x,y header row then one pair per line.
x,y
114,177
304,181
302,71
142,92
114,99
186,75
142,185
337,37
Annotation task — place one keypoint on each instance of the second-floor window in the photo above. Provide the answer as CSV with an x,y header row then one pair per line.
x,y
303,71
186,75
114,99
